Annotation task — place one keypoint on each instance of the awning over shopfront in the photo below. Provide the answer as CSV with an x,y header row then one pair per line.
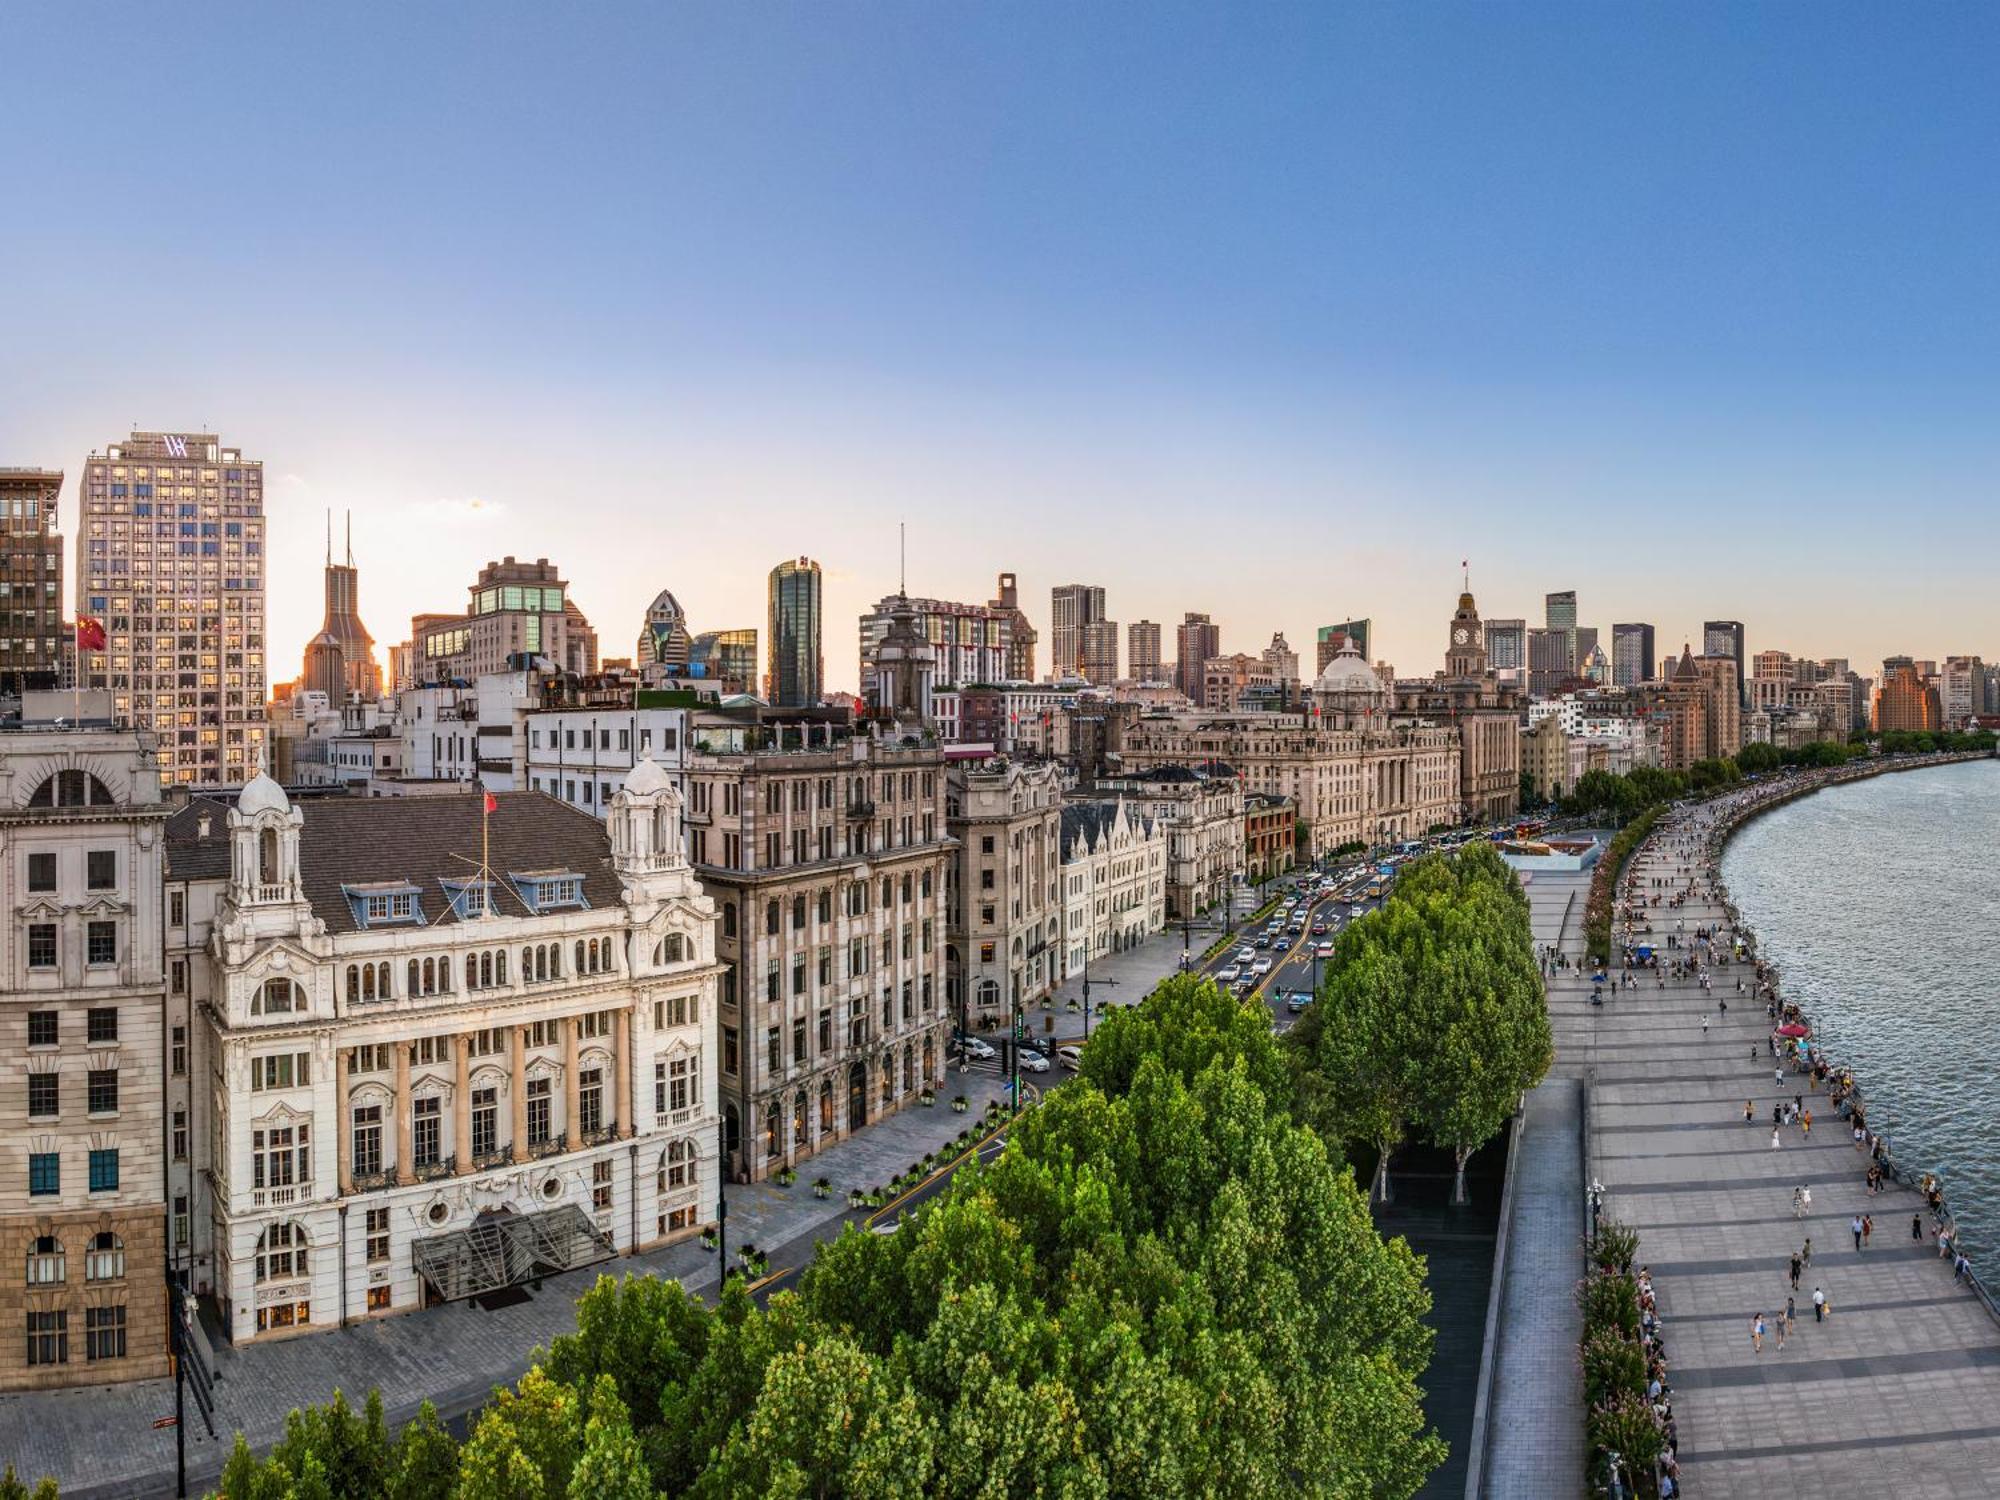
x,y
506,1249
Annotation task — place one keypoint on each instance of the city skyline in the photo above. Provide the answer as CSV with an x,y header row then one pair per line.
x,y
1062,374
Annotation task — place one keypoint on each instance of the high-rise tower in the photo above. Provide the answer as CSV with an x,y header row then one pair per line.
x,y
340,660
797,675
31,581
171,559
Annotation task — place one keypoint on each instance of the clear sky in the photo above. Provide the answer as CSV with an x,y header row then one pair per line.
x,y
1272,311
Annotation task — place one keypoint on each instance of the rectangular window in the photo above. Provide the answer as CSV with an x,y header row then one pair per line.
x,y
41,872
180,1135
378,1235
485,1122
729,1050
104,1332
367,1142
426,1126
104,1171
176,909
101,943
101,870
41,945
180,1221
102,1090
44,1094
825,1032
41,1028
44,1174
178,1052
772,1050
600,1186
590,1101
538,1111
101,1024
48,1338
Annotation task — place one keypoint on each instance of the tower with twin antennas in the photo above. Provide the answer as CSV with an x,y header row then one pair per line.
x,y
899,665
340,660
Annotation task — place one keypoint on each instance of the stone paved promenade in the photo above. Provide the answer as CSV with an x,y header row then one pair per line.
x,y
1897,1394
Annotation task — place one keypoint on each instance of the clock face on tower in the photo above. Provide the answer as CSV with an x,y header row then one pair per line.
x,y
1460,635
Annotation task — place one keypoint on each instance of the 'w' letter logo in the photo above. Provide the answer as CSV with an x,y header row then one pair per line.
x,y
177,447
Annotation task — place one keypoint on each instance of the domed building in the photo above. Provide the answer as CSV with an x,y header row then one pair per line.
x,y
1348,693
663,639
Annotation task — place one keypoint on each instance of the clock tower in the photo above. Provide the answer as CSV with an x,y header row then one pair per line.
x,y
1466,655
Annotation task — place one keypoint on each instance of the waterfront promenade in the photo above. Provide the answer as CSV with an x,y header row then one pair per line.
x,y
1898,1392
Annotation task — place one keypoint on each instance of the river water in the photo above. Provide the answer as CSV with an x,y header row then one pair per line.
x,y
1880,903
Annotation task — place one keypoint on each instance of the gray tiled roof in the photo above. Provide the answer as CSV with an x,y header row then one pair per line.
x,y
423,841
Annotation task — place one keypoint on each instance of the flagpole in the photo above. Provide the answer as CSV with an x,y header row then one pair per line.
x,y
485,873
76,669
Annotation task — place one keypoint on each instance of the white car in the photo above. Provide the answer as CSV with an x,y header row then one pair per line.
x,y
1246,955
1325,948
1228,975
1032,1061
1261,967
975,1048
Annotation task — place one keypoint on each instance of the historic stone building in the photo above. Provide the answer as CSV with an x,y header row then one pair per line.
x,y
1201,811
1002,897
425,1049
827,851
1114,879
82,1216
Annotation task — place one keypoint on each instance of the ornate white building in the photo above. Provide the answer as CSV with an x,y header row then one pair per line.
x,y
1114,873
439,1046
1003,922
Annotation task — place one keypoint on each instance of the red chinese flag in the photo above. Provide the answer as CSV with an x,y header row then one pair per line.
x,y
492,804
89,634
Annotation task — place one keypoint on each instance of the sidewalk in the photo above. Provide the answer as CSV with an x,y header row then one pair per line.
x,y
99,1442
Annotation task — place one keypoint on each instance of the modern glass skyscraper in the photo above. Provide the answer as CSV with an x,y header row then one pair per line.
x,y
1725,638
1631,654
170,557
1507,644
1071,607
796,678
31,581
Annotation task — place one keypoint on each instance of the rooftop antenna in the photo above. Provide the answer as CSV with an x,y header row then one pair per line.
x,y
329,536
350,537
902,559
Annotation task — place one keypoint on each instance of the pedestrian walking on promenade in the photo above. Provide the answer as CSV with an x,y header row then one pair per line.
x,y
1791,1311
1749,1114
1806,1194
1806,1254
1778,1077
1757,1333
1795,1270
1819,1305
1805,1123
1867,1228
1775,1141
1798,1203
1704,1025
1855,1225
1917,1227
1782,1321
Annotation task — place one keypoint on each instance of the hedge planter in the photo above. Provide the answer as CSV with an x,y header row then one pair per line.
x,y
708,1240
786,1176
855,1197
959,1103
822,1188
927,1098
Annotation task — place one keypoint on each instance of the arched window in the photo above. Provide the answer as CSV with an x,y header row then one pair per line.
x,y
673,948
368,981
45,1262
527,963
774,1123
926,886
677,1168
801,1120
771,918
382,976
416,985
826,1106
888,1077
105,1260
276,997
471,971
500,967
930,1060
729,919
604,945
909,1067
582,965
825,901
71,789
267,856
541,957
444,976
486,969
281,1252
353,984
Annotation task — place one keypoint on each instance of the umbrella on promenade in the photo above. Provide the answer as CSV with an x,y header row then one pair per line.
x,y
1792,1028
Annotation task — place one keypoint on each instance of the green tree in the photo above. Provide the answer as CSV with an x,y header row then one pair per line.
x,y
526,1444
12,1488
424,1465
611,1466
1755,760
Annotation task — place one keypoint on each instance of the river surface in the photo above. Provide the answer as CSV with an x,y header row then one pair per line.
x,y
1880,903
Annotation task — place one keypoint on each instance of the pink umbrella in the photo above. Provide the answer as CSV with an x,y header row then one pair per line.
x,y
1794,1029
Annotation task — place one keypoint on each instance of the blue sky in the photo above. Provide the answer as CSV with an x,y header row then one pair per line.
x,y
1271,311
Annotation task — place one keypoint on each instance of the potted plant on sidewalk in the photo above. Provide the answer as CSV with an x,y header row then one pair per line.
x,y
822,1188
927,1098
787,1176
959,1103
708,1239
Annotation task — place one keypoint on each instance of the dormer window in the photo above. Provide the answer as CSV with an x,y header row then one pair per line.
x,y
385,905
470,899
550,890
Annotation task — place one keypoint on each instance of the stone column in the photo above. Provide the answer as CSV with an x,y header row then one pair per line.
x,y
343,1132
405,1148
621,1049
569,1130
518,1093
461,1098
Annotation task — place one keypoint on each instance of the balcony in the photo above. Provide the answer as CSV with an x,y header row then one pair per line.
x,y
672,1118
601,1136
368,1182
282,1197
444,1167
555,1145
861,809
500,1156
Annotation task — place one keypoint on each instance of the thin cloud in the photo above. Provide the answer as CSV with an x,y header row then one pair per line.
x,y
469,509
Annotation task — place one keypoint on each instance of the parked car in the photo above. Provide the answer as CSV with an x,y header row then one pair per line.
x,y
1032,1061
976,1048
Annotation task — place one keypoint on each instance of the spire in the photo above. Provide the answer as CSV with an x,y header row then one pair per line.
x,y
350,538
329,536
902,559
